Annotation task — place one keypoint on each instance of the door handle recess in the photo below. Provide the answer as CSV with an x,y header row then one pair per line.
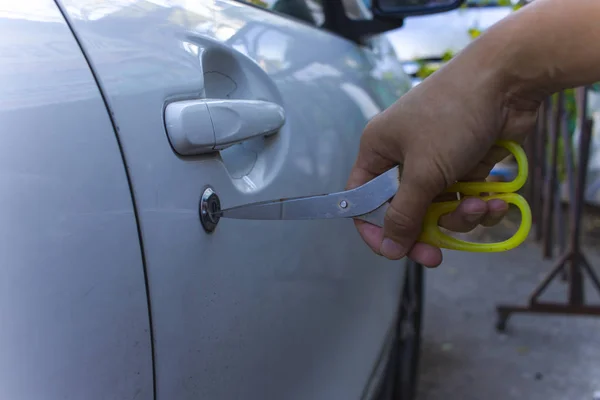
x,y
203,126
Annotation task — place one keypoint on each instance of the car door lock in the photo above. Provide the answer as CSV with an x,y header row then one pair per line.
x,y
209,208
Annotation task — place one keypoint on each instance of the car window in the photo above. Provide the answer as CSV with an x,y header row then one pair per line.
x,y
310,11
357,9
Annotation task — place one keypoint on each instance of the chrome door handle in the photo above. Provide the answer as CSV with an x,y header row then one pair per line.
x,y
206,125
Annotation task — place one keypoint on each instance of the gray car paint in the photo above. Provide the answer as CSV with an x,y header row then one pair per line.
x,y
256,310
73,309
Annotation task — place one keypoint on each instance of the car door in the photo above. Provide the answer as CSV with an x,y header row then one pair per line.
x,y
74,320
254,309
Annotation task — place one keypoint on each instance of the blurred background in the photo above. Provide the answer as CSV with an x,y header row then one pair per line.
x,y
551,357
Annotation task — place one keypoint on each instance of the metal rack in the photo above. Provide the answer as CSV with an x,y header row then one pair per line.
x,y
542,192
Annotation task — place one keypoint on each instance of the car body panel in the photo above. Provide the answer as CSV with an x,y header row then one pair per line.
x,y
257,309
74,320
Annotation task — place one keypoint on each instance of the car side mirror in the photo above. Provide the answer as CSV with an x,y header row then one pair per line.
x,y
400,9
385,15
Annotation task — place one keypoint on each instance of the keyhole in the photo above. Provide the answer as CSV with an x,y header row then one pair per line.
x,y
210,205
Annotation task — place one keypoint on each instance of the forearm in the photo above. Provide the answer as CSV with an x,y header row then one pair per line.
x,y
545,47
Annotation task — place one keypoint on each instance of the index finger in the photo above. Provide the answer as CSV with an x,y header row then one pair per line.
x,y
371,234
368,166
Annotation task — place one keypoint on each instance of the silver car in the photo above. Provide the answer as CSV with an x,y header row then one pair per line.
x,y
118,117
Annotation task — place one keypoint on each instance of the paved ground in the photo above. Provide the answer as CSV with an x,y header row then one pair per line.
x,y
539,357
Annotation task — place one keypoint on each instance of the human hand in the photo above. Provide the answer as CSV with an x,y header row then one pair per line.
x,y
442,131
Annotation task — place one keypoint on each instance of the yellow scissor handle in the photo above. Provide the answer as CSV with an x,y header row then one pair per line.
x,y
433,235
476,188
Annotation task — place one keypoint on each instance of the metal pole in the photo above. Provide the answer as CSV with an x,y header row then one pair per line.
x,y
550,186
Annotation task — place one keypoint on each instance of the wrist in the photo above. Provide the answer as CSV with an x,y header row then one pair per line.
x,y
526,78
510,66
517,78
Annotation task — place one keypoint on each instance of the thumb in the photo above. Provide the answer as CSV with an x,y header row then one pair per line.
x,y
404,218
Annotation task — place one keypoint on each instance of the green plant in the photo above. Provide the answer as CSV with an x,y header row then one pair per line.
x,y
426,69
259,3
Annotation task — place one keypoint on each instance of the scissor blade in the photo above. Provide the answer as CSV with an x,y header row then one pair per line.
x,y
314,207
263,210
346,204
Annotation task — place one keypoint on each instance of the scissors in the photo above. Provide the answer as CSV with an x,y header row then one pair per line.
x,y
370,202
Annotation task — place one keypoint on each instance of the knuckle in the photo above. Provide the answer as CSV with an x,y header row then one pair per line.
x,y
428,177
399,225
371,131
372,134
444,173
372,124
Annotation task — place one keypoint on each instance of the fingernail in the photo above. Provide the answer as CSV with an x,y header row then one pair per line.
x,y
391,249
473,217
